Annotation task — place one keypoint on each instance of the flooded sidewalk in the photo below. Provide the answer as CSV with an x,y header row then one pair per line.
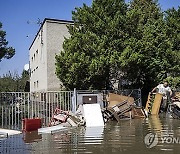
x,y
153,135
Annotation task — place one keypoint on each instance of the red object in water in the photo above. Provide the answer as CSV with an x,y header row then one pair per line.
x,y
31,124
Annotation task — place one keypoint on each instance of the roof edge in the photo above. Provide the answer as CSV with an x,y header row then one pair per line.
x,y
50,19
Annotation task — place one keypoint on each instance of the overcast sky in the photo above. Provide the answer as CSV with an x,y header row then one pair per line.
x,y
16,14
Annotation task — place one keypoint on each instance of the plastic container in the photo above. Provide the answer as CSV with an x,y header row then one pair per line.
x,y
31,124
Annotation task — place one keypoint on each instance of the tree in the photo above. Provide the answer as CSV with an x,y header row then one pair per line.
x,y
91,54
9,82
13,82
172,19
5,52
148,57
147,49
111,40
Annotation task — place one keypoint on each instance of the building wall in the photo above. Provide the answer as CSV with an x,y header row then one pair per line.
x,y
38,62
47,43
56,31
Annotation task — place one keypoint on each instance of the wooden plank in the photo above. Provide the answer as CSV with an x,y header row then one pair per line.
x,y
114,99
148,103
138,113
156,104
114,113
51,129
9,131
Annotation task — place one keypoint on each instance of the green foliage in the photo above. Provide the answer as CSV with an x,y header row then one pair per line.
x,y
12,82
5,52
148,51
174,82
113,41
172,18
91,53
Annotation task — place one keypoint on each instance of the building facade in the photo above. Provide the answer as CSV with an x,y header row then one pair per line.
x,y
47,43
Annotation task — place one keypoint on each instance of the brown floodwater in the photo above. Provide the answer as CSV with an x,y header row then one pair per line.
x,y
128,136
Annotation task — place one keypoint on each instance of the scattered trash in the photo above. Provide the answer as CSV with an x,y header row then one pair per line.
x,y
155,105
138,112
174,107
121,107
4,133
51,129
66,118
59,116
91,113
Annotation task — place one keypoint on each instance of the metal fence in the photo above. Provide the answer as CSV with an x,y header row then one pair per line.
x,y
15,106
135,93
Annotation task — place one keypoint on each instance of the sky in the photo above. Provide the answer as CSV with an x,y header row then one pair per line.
x,y
19,19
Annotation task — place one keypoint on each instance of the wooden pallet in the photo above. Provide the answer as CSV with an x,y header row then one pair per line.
x,y
156,104
153,106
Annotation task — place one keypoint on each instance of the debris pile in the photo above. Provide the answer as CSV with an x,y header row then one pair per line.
x,y
90,113
66,118
155,105
174,108
121,107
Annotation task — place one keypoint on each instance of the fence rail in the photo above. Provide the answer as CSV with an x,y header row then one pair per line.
x,y
15,106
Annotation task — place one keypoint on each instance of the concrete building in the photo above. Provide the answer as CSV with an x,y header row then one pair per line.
x,y
46,44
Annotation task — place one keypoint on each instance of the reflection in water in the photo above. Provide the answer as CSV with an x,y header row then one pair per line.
x,y
14,145
94,132
30,137
124,137
155,124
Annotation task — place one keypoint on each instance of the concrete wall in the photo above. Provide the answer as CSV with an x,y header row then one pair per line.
x,y
47,43
38,62
56,31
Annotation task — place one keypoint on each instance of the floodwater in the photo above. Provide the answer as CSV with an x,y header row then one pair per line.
x,y
128,136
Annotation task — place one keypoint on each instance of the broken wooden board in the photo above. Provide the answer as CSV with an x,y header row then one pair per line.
x,y
120,111
177,103
51,129
138,113
8,132
156,104
114,99
148,103
177,95
113,113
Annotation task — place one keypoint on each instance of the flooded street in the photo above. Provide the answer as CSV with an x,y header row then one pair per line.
x,y
128,136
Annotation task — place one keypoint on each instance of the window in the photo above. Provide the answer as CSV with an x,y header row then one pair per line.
x,y
37,83
34,84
